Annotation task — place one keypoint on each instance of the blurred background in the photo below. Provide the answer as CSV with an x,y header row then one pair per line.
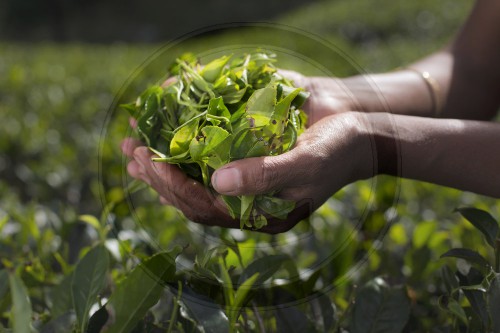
x,y
63,65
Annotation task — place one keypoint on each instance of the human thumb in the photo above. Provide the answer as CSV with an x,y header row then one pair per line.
x,y
256,175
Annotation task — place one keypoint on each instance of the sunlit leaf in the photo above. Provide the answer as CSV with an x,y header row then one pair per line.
x,y
182,138
422,233
212,70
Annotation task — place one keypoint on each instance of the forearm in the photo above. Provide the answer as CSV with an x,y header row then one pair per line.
x,y
455,153
466,75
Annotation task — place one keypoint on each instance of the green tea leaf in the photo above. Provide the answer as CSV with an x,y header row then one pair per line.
x,y
260,105
90,220
21,305
453,307
276,207
266,266
423,232
380,308
182,138
89,278
62,301
473,289
483,221
207,315
213,69
494,302
217,112
469,255
212,146
4,283
246,210
61,324
234,205
243,290
140,290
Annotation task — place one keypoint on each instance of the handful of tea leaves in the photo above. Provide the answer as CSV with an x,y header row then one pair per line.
x,y
234,107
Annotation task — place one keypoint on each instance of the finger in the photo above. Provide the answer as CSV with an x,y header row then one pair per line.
x,y
258,175
165,201
169,81
132,122
128,146
296,77
135,170
194,199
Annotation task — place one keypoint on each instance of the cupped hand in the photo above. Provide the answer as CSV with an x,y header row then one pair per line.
x,y
328,155
328,95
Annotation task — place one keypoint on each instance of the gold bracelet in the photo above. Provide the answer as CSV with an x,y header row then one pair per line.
x,y
434,90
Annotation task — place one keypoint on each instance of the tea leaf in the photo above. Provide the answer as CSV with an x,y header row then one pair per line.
x,y
88,280
212,70
380,308
494,303
182,138
140,290
21,305
469,255
483,221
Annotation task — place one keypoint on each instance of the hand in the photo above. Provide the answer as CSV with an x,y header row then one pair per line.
x,y
328,155
328,95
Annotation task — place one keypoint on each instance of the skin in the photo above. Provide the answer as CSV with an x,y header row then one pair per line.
x,y
355,134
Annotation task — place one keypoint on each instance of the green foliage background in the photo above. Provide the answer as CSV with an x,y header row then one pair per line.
x,y
55,101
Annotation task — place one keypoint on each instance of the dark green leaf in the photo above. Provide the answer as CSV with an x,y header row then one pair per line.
x,y
476,297
62,301
275,207
483,221
449,278
89,278
61,324
266,266
323,312
494,303
140,290
21,305
4,283
98,320
233,205
453,307
380,308
207,315
291,319
246,210
469,255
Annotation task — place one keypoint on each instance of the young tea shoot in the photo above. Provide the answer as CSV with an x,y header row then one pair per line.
x,y
232,108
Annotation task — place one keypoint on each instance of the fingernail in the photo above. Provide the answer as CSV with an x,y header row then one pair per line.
x,y
227,180
142,169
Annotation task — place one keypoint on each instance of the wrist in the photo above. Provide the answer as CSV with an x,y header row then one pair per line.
x,y
379,129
